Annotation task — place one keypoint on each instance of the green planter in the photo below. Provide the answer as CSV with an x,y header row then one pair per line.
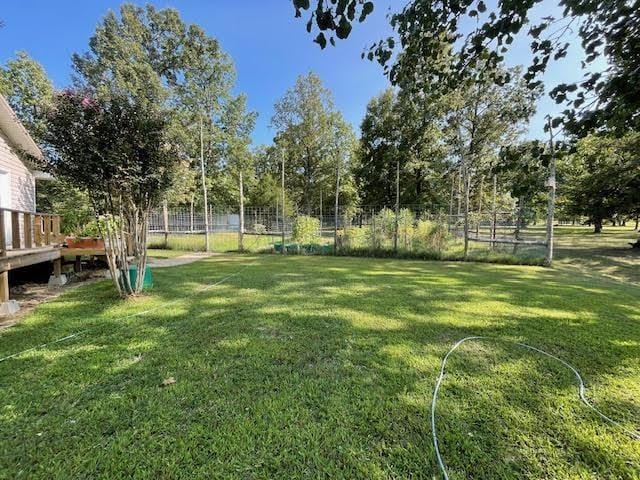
x,y
147,281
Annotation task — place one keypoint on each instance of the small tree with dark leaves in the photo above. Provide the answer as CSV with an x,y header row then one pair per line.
x,y
118,151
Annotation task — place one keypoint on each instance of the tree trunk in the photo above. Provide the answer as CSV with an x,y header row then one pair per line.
x,y
597,225
637,222
467,188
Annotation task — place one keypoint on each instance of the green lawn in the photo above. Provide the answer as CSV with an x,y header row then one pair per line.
x,y
322,367
218,242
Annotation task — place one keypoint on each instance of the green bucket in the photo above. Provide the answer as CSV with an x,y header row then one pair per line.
x,y
147,281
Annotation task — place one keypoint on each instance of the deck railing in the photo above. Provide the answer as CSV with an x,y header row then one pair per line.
x,y
22,230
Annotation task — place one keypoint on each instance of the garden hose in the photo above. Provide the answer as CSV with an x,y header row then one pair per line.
x,y
581,394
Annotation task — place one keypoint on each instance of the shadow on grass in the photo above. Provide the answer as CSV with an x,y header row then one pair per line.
x,y
317,366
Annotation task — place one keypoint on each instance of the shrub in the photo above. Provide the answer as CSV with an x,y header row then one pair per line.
x,y
259,228
306,230
431,235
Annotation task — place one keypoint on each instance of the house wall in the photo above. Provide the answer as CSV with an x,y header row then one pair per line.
x,y
23,184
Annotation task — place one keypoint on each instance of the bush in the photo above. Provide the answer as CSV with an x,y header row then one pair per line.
x,y
431,235
306,230
259,228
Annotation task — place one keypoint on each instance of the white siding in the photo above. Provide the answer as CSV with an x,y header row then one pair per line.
x,y
23,184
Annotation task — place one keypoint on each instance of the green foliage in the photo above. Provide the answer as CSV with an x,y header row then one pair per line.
x,y
29,91
316,142
602,178
431,235
67,200
447,44
306,230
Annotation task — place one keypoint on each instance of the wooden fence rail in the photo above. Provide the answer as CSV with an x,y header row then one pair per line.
x,y
23,230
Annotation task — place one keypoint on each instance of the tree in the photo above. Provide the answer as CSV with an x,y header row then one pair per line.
x,y
29,91
237,127
117,150
378,150
306,121
126,91
436,49
602,177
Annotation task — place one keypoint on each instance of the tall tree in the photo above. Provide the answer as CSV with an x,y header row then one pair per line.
x,y
602,178
442,44
305,120
29,91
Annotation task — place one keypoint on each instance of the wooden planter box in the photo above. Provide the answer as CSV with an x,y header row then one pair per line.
x,y
84,242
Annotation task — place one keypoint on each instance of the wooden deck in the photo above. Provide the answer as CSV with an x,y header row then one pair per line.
x,y
28,238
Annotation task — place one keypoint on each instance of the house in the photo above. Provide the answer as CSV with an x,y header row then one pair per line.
x,y
26,237
17,178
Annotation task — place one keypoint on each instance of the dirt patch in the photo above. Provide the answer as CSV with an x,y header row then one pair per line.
x,y
30,295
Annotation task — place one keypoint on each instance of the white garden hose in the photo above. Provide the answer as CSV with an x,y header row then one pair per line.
x,y
581,394
144,312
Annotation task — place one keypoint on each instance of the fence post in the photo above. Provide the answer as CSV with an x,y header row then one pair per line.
x,y
241,226
335,227
165,221
283,203
551,185
467,187
494,211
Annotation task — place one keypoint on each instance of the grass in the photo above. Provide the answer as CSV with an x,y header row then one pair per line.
x,y
219,242
320,367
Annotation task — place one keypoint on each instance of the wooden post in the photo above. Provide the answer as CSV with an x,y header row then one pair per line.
x,y
321,214
191,214
4,287
15,230
467,188
37,230
395,233
56,228
28,230
47,229
57,267
494,213
337,205
204,190
77,266
241,229
453,187
283,203
480,206
3,234
551,185
165,221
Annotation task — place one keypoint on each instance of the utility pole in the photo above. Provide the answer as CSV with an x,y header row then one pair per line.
x,y
204,190
283,210
551,185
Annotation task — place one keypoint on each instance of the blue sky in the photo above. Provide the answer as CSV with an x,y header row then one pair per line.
x,y
270,48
